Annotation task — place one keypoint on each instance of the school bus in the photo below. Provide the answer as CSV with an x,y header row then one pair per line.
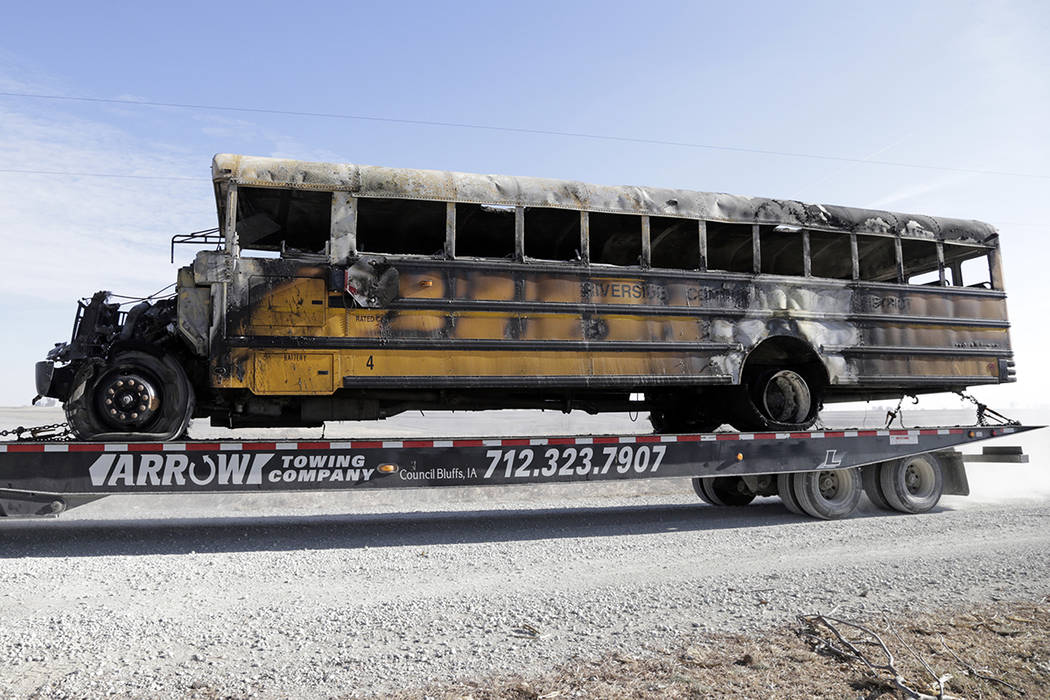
x,y
348,292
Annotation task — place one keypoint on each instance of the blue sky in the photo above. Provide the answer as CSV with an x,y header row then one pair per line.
x,y
956,85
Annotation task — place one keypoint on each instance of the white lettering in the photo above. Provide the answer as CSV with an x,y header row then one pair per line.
x,y
149,470
99,469
125,470
202,481
174,469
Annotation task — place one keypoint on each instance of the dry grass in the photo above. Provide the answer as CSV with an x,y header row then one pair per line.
x,y
1006,642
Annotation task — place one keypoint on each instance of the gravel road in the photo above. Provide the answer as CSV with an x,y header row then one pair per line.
x,y
349,594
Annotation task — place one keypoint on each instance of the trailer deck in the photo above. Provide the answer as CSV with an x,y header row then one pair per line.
x,y
47,478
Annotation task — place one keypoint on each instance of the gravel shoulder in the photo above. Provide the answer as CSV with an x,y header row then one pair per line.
x,y
362,603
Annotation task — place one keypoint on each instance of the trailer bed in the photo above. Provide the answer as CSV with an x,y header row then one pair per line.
x,y
43,478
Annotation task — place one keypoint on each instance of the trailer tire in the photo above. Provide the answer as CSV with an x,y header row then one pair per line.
x,y
785,489
723,490
912,484
828,494
700,488
870,477
160,384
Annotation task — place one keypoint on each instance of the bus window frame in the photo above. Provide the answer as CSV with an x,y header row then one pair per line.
x,y
343,244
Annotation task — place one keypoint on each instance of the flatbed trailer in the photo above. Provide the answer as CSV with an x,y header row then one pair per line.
x,y
817,473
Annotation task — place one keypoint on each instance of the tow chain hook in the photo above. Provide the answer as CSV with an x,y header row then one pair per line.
x,y
54,432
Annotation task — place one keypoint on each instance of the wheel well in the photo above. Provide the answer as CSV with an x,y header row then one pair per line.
x,y
785,352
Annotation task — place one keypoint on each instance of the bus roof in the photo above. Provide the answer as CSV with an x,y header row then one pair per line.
x,y
509,190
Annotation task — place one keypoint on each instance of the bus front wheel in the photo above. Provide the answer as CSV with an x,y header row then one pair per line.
x,y
133,396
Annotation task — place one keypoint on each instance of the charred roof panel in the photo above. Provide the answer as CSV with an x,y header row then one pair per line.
x,y
406,183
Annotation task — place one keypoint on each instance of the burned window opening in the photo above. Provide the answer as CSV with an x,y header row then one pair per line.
x,y
616,239
830,255
877,257
970,266
730,247
674,243
552,234
400,226
283,220
782,251
921,264
484,231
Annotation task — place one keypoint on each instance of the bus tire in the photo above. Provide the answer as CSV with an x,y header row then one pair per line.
x,y
828,494
786,491
133,396
872,487
912,484
776,399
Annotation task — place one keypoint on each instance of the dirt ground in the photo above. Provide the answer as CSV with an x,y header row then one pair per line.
x,y
994,651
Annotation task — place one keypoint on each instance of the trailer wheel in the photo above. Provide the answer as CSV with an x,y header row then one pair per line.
x,y
135,396
829,494
869,476
913,484
785,489
723,490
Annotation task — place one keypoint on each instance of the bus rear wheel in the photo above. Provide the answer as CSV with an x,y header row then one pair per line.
x,y
135,395
778,398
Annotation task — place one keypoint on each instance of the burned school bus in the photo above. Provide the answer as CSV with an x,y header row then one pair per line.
x,y
341,292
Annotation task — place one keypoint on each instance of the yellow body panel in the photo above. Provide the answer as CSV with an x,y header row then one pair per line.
x,y
437,331
288,372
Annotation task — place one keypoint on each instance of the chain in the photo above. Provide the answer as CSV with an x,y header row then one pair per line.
x,y
986,415
53,432
896,413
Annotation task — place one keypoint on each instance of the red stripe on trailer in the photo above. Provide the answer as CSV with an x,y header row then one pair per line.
x,y
468,443
313,445
86,447
25,448
366,444
201,446
867,433
687,438
647,438
512,442
259,446
606,440
561,441
144,447
727,436
834,433
801,435
418,443
765,436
